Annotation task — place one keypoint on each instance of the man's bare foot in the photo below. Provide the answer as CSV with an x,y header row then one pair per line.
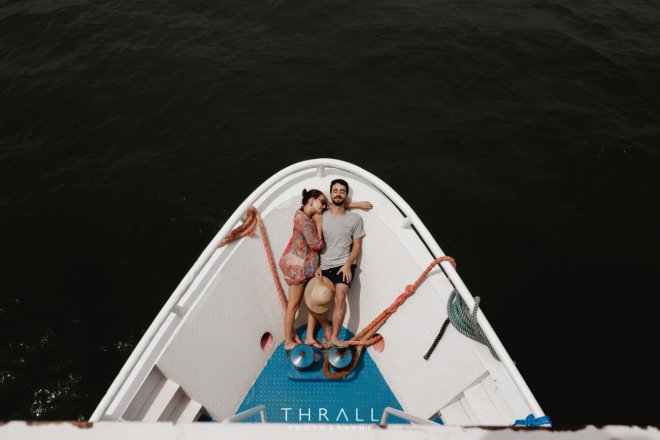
x,y
326,333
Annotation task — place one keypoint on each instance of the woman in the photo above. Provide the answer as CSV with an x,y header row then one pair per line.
x,y
300,258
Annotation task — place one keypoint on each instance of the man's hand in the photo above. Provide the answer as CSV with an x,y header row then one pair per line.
x,y
347,274
365,206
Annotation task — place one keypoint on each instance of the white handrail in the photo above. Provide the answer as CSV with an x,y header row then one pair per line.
x,y
398,413
236,216
247,414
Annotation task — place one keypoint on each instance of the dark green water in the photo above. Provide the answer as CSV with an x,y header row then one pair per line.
x,y
525,135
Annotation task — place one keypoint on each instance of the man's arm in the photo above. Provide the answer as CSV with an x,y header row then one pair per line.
x,y
365,205
355,253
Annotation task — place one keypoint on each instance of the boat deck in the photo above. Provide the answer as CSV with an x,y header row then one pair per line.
x,y
359,398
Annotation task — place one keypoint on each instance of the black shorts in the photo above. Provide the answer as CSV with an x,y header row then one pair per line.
x,y
336,278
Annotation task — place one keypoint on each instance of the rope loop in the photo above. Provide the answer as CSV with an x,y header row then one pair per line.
x,y
465,321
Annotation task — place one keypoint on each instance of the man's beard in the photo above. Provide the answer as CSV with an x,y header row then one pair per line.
x,y
338,201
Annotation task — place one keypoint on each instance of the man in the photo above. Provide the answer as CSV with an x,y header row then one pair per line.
x,y
342,232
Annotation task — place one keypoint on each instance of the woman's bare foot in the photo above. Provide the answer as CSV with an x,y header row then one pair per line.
x,y
290,345
313,342
297,339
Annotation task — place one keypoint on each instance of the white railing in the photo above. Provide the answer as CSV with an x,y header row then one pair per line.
x,y
320,165
247,414
398,413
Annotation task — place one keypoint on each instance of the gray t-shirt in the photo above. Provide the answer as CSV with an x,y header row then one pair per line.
x,y
338,235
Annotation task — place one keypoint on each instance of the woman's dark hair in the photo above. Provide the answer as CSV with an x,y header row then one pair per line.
x,y
311,194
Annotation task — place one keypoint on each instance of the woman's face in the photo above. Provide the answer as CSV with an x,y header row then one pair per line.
x,y
320,204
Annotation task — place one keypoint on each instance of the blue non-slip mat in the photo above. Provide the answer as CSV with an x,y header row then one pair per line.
x,y
360,400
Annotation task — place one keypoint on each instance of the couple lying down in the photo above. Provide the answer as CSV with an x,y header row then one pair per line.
x,y
319,260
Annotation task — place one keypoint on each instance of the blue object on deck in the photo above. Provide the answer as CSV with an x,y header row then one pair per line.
x,y
359,398
530,420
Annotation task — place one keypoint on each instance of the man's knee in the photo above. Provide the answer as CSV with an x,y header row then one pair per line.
x,y
340,294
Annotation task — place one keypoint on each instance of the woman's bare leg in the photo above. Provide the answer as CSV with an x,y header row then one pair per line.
x,y
291,339
323,320
311,325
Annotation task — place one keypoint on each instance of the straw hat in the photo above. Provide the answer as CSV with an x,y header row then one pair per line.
x,y
319,294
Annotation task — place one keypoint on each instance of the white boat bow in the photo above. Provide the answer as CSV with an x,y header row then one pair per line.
x,y
202,357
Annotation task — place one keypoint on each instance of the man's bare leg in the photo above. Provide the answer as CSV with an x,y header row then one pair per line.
x,y
341,290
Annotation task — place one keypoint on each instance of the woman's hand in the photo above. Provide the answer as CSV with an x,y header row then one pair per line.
x,y
318,274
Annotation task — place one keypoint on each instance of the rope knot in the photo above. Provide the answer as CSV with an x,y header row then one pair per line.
x,y
409,289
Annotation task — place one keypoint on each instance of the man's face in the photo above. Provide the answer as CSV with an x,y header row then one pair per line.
x,y
338,194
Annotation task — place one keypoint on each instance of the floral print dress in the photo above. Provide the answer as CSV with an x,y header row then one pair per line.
x,y
301,258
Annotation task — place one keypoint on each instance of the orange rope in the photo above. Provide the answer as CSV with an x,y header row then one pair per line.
x,y
247,228
365,337
385,314
271,262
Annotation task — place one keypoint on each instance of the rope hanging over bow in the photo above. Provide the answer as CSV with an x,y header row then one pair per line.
x,y
247,229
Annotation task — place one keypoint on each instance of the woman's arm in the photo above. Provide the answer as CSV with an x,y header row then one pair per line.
x,y
313,233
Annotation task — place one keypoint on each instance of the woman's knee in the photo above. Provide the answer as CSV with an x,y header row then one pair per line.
x,y
293,306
